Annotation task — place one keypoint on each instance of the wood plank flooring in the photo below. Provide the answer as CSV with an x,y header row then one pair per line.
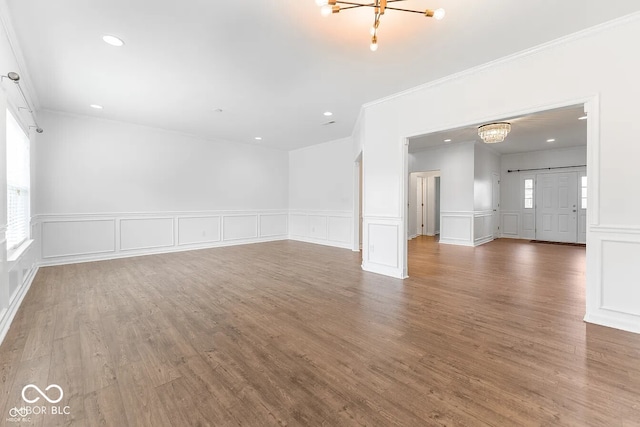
x,y
288,333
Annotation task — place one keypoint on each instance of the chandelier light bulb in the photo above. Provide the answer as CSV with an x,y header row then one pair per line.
x,y
329,7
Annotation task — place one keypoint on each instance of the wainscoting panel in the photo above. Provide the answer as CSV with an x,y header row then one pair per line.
x,y
62,238
613,290
240,227
380,252
299,225
318,227
482,227
340,229
621,287
331,228
518,224
65,239
510,224
21,270
456,228
198,230
528,225
384,240
273,225
146,233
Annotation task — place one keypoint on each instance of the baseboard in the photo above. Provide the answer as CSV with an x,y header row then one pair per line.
x,y
333,244
483,240
9,314
384,270
157,251
612,320
446,241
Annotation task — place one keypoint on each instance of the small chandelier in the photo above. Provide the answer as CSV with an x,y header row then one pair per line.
x,y
328,7
494,132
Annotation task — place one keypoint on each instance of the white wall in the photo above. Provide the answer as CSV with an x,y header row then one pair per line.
x,y
517,222
456,165
561,73
89,165
110,189
486,165
321,193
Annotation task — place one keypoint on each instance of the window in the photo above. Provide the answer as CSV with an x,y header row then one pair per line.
x,y
583,192
528,193
18,183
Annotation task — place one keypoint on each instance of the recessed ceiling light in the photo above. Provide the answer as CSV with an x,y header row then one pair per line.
x,y
258,138
96,106
582,118
551,140
447,140
113,41
328,113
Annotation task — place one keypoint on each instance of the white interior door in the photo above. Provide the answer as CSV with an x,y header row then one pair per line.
x,y
495,204
556,207
419,206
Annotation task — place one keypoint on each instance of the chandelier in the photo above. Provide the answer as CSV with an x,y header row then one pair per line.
x,y
328,7
494,132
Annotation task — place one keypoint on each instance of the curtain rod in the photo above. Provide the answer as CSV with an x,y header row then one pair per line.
x,y
15,77
545,169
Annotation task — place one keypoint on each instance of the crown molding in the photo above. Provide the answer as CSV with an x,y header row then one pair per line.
x,y
509,58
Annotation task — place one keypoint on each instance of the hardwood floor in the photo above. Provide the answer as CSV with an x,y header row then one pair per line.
x,y
288,333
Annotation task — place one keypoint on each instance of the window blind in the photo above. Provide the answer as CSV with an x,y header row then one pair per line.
x,y
18,183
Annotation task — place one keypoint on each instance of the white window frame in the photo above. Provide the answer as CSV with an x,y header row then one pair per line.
x,y
524,193
584,200
18,187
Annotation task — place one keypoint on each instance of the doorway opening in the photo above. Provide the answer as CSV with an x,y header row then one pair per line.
x,y
357,204
424,197
532,187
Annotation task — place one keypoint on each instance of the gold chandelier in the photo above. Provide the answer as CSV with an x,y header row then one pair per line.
x,y
494,132
328,7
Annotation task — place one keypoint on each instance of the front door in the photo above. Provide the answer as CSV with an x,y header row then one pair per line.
x,y
556,207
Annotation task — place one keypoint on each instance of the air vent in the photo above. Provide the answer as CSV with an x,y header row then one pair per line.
x,y
329,123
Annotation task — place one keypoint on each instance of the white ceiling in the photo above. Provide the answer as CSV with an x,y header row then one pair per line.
x,y
528,133
273,66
